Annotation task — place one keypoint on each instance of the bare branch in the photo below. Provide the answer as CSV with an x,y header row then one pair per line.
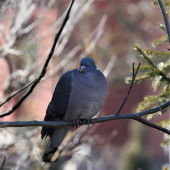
x,y
10,97
44,67
109,66
165,19
153,125
134,116
134,75
9,64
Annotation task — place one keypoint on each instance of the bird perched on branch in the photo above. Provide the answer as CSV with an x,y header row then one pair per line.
x,y
79,95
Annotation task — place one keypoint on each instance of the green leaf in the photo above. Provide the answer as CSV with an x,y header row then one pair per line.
x,y
165,87
140,78
143,55
152,100
164,168
162,27
164,123
156,83
144,76
144,68
166,66
152,116
168,12
153,54
160,41
166,4
165,143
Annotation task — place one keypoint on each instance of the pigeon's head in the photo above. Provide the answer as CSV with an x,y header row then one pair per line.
x,y
86,65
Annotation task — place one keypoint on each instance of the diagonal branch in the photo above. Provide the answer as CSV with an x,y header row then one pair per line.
x,y
134,76
19,91
133,116
9,64
165,19
44,67
147,123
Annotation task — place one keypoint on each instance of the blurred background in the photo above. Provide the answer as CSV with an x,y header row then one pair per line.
x,y
104,30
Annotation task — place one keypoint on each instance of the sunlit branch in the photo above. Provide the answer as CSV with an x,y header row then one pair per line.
x,y
43,72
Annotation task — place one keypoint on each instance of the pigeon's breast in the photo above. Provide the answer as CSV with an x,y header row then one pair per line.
x,y
88,93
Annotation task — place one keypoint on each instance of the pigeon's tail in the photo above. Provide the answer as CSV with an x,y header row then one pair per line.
x,y
56,139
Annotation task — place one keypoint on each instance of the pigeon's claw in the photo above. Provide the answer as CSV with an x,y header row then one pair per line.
x,y
88,121
76,123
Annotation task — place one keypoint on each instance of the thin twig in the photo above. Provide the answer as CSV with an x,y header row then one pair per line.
x,y
165,19
44,67
134,76
9,64
3,163
133,69
153,125
10,97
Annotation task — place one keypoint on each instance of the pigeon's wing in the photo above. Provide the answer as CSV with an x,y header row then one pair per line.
x,y
57,108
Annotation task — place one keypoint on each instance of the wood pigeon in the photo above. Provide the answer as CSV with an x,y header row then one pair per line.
x,y
79,94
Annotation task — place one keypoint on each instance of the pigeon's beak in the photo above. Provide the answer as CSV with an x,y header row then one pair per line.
x,y
82,68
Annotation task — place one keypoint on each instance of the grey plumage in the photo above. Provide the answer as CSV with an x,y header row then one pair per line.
x,y
79,94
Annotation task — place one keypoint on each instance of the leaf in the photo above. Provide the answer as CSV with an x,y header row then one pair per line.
x,y
164,123
143,77
165,143
153,54
138,79
165,87
128,80
152,116
156,83
166,4
162,27
152,100
168,12
143,55
160,41
166,66
145,68
164,168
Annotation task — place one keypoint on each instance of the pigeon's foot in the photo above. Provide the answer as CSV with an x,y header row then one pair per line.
x,y
77,123
88,121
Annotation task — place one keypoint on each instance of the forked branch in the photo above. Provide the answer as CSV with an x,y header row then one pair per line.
x,y
43,72
134,76
135,116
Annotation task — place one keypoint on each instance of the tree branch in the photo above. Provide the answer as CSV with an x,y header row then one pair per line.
x,y
134,116
19,91
44,67
134,76
165,19
9,64
153,125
